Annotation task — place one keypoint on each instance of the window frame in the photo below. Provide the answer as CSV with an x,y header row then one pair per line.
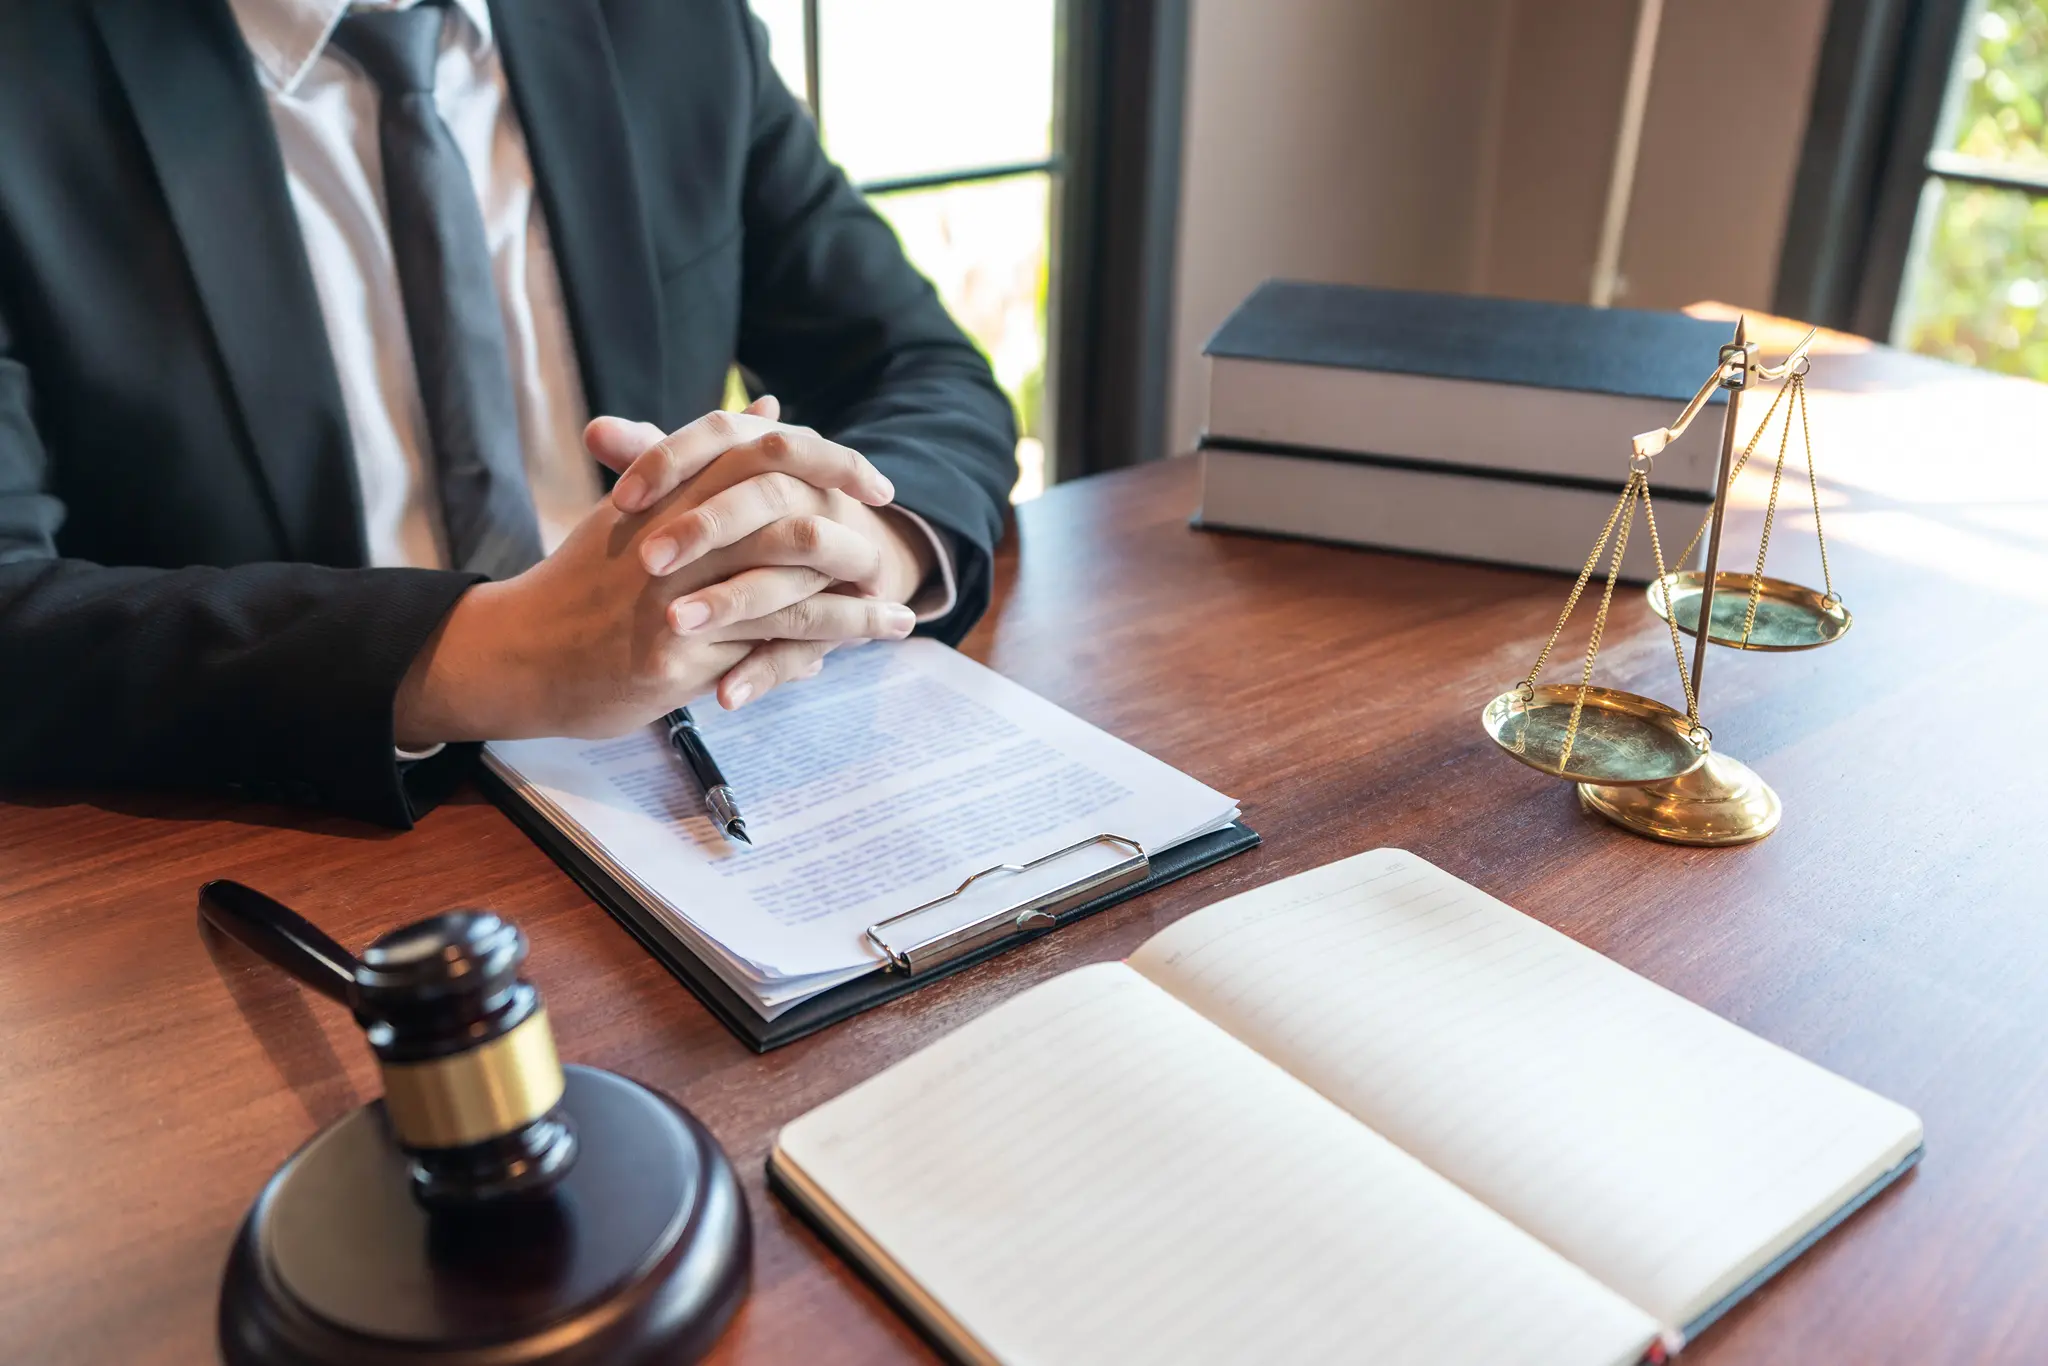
x,y
1113,178
1877,98
1873,147
1051,165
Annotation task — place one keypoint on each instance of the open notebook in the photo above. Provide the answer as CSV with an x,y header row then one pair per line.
x,y
882,785
1366,1113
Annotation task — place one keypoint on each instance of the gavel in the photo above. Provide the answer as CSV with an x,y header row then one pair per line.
x,y
494,1205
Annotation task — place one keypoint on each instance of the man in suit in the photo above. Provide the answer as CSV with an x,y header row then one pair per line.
x,y
304,310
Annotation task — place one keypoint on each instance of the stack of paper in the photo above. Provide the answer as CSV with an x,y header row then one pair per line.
x,y
898,773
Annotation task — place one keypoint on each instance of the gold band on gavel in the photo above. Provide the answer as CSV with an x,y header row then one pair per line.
x,y
485,1093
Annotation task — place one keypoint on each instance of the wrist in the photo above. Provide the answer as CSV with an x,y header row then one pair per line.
x,y
456,689
908,556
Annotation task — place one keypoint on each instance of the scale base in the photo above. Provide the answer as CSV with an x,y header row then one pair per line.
x,y
1722,802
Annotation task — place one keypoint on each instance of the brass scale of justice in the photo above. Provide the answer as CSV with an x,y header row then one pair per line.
x,y
1643,765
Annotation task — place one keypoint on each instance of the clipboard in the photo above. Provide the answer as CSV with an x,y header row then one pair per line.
x,y
915,957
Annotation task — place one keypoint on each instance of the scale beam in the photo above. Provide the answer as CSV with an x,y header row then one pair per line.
x,y
1650,444
1729,376
1794,363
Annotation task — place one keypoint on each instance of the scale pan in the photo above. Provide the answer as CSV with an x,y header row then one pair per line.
x,y
1623,740
1789,616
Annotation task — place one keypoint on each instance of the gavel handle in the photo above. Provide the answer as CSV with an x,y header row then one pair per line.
x,y
280,934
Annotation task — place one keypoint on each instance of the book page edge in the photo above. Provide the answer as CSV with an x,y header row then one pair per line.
x,y
1798,1246
818,1209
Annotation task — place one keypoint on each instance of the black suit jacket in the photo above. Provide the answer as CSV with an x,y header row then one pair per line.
x,y
182,593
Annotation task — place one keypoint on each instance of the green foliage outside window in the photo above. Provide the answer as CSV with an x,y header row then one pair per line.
x,y
1979,291
2005,86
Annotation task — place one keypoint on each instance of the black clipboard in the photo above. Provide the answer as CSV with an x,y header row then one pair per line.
x,y
886,984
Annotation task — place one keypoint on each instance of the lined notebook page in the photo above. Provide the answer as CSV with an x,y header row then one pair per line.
x,y
1094,1173
1661,1148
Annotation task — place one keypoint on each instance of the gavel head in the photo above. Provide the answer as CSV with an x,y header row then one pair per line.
x,y
472,1086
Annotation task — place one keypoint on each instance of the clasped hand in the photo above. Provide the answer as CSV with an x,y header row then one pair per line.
x,y
732,553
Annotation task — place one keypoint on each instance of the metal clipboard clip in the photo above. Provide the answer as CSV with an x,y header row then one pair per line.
x,y
1040,913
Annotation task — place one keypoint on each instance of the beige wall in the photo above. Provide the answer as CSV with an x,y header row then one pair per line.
x,y
1466,145
1324,141
1758,57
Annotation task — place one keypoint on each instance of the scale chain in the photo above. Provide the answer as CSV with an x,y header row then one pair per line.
x,y
1685,556
1813,483
1626,515
1692,705
1763,549
1528,687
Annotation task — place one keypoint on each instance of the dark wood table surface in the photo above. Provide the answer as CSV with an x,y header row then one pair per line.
x,y
1895,929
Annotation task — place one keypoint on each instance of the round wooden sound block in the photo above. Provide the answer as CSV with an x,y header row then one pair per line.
x,y
639,1254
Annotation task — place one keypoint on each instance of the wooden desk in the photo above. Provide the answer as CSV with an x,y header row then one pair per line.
x,y
1896,928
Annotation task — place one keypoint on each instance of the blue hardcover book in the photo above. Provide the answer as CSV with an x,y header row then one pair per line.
x,y
1452,425
1504,387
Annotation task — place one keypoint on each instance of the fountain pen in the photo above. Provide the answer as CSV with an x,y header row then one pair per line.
x,y
718,793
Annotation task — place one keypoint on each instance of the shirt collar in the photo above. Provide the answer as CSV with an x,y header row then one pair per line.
x,y
287,36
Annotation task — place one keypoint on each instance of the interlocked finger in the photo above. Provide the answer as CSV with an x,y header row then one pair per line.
x,y
749,594
683,453
816,542
837,553
828,616
798,451
616,442
721,449
772,663
728,517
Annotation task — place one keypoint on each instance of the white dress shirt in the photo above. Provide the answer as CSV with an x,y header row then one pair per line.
x,y
324,109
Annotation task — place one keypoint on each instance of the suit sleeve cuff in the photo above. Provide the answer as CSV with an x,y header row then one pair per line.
x,y
940,592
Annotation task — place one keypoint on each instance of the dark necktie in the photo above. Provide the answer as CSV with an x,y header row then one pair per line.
x,y
451,306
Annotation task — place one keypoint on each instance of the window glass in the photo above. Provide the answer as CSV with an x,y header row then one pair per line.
x,y
915,87
944,88
1977,277
1978,295
983,246
1996,111
785,21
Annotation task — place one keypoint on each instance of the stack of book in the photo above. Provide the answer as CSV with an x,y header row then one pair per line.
x,y
1441,424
